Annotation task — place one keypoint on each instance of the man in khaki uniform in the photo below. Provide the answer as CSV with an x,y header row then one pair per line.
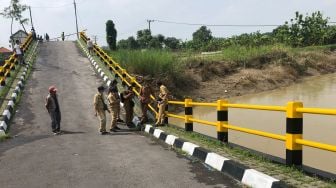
x,y
162,103
144,97
114,106
100,107
128,105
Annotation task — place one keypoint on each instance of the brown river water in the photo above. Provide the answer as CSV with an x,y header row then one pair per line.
x,y
319,92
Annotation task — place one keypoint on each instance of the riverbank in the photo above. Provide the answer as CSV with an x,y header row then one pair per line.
x,y
232,72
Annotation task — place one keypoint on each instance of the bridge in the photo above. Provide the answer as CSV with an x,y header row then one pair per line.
x,y
80,157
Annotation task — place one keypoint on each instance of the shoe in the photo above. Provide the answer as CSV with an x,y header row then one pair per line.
x,y
120,120
117,128
113,130
130,125
104,133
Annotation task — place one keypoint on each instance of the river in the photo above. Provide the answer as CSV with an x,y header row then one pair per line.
x,y
314,92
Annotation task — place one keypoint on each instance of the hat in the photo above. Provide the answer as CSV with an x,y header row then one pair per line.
x,y
52,89
101,88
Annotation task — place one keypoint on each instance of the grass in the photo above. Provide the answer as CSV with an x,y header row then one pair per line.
x,y
289,175
147,62
4,137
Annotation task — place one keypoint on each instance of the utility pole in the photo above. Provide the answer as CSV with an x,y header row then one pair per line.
x,y
31,18
76,18
149,22
95,38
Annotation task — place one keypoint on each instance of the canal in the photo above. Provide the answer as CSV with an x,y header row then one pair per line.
x,y
314,92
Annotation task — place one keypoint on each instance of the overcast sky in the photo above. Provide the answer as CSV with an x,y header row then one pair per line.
x,y
129,16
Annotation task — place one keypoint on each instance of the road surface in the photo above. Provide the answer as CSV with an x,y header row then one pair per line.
x,y
81,157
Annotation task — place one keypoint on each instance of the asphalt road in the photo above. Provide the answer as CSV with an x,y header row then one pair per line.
x,y
80,157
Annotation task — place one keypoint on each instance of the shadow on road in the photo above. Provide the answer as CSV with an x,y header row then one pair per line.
x,y
72,132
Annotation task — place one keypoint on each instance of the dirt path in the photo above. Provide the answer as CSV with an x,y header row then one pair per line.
x,y
81,157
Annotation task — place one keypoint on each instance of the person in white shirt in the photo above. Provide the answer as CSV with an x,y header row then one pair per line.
x,y
90,45
19,52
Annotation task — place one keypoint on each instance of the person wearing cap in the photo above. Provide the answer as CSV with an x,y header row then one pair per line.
x,y
100,107
162,103
53,109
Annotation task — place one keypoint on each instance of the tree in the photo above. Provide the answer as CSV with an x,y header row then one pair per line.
x,y
172,43
202,35
155,43
14,12
144,37
129,43
111,35
304,31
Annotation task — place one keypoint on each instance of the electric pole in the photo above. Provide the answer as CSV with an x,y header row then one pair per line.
x,y
76,18
31,18
95,38
149,22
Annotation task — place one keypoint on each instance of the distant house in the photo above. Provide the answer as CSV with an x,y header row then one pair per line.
x,y
4,54
19,35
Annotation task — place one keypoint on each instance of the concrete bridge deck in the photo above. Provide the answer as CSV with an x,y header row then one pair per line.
x,y
81,157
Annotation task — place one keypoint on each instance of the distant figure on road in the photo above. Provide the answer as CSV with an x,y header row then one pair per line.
x,y
144,97
114,105
33,33
47,37
54,111
62,36
90,45
128,105
162,103
100,107
19,52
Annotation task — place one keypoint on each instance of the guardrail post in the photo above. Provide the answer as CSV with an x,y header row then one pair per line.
x,y
294,129
123,74
165,121
188,125
222,118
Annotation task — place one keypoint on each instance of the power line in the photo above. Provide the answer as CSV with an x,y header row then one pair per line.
x,y
60,6
218,25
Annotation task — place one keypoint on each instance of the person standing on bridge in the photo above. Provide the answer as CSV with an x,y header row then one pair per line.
x,y
162,103
19,52
114,105
100,107
90,46
54,111
144,97
114,85
128,105
62,36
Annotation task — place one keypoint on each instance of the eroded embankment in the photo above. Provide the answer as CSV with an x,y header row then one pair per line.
x,y
211,80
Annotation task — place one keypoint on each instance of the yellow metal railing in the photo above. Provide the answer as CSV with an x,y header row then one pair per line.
x,y
120,72
294,114
293,137
12,60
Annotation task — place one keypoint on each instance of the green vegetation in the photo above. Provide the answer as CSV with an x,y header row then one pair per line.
x,y
111,35
4,137
14,12
301,31
289,175
149,62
